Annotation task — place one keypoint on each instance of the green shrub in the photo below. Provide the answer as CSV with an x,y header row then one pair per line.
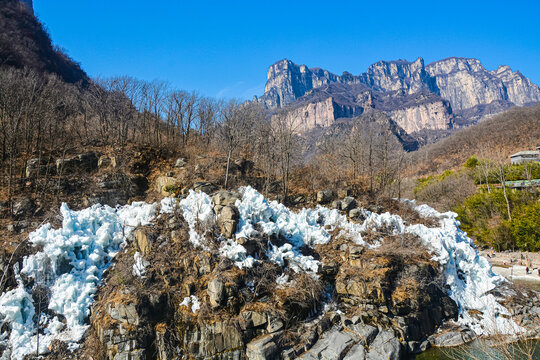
x,y
485,218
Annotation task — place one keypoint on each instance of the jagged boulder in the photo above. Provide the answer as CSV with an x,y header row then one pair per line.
x,y
180,163
205,187
264,348
356,215
252,319
23,207
216,292
324,196
166,185
386,346
333,344
124,313
348,203
228,221
217,340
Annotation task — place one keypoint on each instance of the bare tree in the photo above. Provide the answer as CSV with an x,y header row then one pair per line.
x,y
285,128
235,128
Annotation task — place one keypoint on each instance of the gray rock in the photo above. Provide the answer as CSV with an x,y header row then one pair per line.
x,y
336,204
228,221
225,198
139,354
332,345
262,349
205,187
274,325
366,333
180,163
348,204
126,313
385,346
253,319
356,214
288,354
357,352
216,292
451,338
23,207
324,196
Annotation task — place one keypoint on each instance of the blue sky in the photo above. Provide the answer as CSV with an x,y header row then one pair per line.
x,y
223,48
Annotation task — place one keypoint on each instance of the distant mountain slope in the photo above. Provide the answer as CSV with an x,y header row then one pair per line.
x,y
502,135
25,44
453,92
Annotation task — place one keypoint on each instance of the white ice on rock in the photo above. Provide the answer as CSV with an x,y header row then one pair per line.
x,y
197,209
139,267
469,275
193,301
70,264
74,257
306,227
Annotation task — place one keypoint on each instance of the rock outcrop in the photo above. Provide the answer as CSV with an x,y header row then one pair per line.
x,y
416,96
466,83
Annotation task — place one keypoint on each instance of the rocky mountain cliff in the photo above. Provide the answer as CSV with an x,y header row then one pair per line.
x,y
449,93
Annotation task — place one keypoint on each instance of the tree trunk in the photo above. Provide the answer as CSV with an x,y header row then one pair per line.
x,y
503,183
229,154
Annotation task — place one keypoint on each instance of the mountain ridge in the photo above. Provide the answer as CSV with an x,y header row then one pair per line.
x,y
462,91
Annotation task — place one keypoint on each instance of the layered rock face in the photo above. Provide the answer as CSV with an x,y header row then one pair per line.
x,y
416,96
322,114
431,116
466,83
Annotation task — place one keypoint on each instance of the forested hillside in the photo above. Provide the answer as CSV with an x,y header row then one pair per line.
x,y
24,43
496,138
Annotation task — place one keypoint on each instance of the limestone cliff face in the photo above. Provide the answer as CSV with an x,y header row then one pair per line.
x,y
466,83
321,114
398,75
287,81
430,116
456,85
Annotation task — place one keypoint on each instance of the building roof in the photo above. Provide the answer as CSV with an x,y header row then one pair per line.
x,y
524,153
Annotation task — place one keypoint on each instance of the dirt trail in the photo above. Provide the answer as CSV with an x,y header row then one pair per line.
x,y
513,265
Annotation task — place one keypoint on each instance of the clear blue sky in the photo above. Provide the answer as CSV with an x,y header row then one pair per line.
x,y
223,48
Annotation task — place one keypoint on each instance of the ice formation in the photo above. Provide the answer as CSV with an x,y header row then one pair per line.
x,y
197,209
74,258
468,275
70,265
139,268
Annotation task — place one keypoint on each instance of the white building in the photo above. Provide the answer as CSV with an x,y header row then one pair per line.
x,y
525,156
